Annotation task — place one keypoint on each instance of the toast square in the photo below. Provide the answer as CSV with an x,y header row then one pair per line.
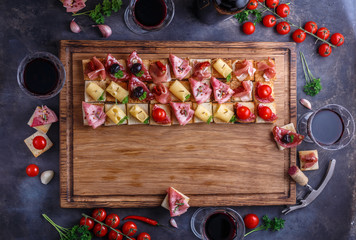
x,y
230,106
193,62
166,108
85,65
259,74
234,84
208,106
272,106
207,81
263,83
289,127
42,128
88,98
186,85
30,146
215,73
239,63
152,85
85,121
165,202
251,106
303,153
174,119
110,98
108,121
131,119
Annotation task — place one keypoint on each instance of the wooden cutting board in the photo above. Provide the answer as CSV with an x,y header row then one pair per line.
x,y
215,165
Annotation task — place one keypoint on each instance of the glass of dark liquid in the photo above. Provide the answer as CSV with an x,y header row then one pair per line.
x,y
331,127
144,16
217,224
41,75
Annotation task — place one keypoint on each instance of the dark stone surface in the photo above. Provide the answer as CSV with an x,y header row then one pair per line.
x,y
28,26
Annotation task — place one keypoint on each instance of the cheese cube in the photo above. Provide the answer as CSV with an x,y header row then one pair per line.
x,y
180,91
116,114
94,91
138,114
222,67
223,113
304,153
203,112
118,92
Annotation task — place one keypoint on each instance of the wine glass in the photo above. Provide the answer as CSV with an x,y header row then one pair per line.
x,y
331,127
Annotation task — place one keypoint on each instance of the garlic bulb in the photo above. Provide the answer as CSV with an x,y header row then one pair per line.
x,y
173,223
104,29
47,176
74,27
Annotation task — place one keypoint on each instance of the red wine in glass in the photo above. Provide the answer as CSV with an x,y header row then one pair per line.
x,y
150,13
220,226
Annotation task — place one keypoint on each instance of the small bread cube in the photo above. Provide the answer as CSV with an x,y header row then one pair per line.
x,y
259,75
262,83
272,106
250,106
174,119
203,113
117,91
221,68
42,128
116,114
137,114
243,77
167,109
303,154
85,66
37,152
224,113
94,91
181,91
289,127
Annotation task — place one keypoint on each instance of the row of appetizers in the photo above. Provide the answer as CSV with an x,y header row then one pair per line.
x,y
175,113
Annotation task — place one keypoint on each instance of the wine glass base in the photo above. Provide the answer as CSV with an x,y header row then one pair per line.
x,y
302,127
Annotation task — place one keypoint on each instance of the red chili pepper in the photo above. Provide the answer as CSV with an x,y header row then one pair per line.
x,y
203,65
143,219
161,66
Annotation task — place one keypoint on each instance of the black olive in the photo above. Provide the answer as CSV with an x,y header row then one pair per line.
x,y
138,92
136,68
114,68
286,138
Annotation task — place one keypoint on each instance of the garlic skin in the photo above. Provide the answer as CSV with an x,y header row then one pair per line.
x,y
173,223
104,29
74,27
305,103
47,176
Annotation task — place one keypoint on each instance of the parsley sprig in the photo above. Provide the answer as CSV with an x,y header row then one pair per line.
x,y
312,86
102,10
243,16
274,224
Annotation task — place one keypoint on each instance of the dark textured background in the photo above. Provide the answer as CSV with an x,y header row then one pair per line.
x,y
28,26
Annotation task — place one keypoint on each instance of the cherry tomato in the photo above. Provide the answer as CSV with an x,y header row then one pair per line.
x,y
39,142
283,28
261,0
248,28
144,236
129,228
283,10
32,170
114,235
269,20
99,214
243,112
265,112
337,39
112,220
323,33
100,230
264,91
299,36
88,222
252,4
325,50
251,221
311,27
272,3
159,115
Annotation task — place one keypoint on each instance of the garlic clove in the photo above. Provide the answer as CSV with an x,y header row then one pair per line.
x,y
47,176
104,29
173,223
74,27
305,103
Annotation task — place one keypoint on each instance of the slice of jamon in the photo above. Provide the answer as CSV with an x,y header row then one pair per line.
x,y
251,118
161,94
183,112
178,203
109,61
73,5
134,82
180,67
43,115
160,72
94,114
166,119
134,58
244,69
268,68
308,160
222,91
201,90
262,100
95,69
201,70
244,91
279,133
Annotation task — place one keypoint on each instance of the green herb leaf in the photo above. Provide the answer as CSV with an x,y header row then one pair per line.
x,y
126,100
228,78
116,101
101,98
122,120
119,74
210,119
233,119
101,10
116,5
143,97
107,8
244,15
147,121
187,97
312,86
139,74
292,138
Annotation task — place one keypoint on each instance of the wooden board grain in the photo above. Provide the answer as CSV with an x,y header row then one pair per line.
x,y
215,165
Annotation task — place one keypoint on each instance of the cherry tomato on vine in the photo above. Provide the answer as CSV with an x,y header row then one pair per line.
x,y
265,112
251,221
299,36
283,10
100,230
88,222
114,235
112,220
243,112
32,170
99,214
39,142
269,21
248,28
264,91
144,236
129,228
283,28
272,3
337,39
159,115
252,4
323,33
311,27
325,50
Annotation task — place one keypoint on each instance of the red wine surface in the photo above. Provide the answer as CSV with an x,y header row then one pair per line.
x,y
220,226
150,13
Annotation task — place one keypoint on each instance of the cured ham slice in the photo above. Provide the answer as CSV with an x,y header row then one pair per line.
x,y
42,116
180,67
183,112
262,100
94,114
161,94
244,69
244,92
134,82
178,203
308,160
273,116
222,91
109,61
251,118
166,119
134,58
95,69
201,90
73,5
160,72
201,70
268,68
279,133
